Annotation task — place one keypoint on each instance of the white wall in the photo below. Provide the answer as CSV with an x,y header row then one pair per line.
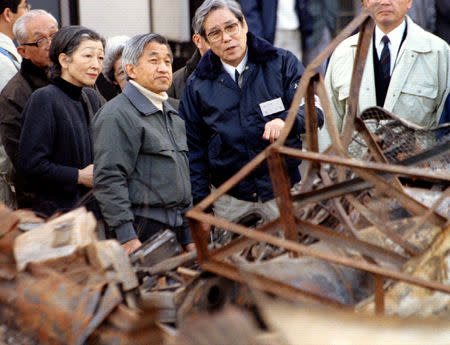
x,y
170,18
116,17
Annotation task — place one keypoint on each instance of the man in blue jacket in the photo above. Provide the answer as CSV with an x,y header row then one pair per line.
x,y
234,105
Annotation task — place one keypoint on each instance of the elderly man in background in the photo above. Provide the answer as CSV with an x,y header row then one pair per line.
x,y
234,105
33,32
181,76
407,70
141,171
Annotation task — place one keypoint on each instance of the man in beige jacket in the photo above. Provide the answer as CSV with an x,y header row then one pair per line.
x,y
418,68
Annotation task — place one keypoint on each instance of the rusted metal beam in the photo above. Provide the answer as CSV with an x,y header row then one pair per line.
x,y
269,285
379,294
368,249
367,166
281,190
241,243
302,249
365,37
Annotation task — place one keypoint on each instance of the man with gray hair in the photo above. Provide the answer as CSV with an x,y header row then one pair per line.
x,y
141,171
235,105
33,32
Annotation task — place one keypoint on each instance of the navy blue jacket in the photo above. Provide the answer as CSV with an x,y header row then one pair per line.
x,y
224,123
261,17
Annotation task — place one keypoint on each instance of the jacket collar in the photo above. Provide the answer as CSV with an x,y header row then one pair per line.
x,y
415,39
35,76
142,103
259,51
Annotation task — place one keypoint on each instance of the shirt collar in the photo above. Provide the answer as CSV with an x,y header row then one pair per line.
x,y
156,98
240,68
395,37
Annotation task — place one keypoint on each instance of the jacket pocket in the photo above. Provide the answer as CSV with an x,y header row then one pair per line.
x,y
417,102
344,92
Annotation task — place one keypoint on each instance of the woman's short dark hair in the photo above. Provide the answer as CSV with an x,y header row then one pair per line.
x,y
66,41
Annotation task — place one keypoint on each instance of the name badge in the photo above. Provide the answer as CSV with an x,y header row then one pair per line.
x,y
271,107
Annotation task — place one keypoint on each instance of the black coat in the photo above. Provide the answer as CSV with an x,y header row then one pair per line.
x,y
56,142
13,99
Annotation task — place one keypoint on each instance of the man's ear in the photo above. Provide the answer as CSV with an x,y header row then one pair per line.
x,y
64,60
131,70
244,25
6,15
197,40
23,52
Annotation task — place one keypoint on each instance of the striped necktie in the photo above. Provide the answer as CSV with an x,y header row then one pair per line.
x,y
236,76
385,58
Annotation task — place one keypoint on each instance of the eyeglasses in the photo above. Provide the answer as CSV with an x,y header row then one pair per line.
x,y
42,42
230,29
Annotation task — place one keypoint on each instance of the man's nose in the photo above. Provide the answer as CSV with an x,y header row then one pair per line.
x,y
162,67
226,37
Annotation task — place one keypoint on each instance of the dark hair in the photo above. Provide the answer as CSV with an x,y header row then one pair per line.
x,y
66,41
11,4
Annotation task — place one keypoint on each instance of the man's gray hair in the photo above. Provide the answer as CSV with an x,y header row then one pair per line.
x,y
20,26
210,5
134,48
113,52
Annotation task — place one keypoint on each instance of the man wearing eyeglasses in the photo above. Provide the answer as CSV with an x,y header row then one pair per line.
x,y
234,106
33,32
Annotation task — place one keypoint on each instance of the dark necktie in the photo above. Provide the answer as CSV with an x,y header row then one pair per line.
x,y
236,76
385,59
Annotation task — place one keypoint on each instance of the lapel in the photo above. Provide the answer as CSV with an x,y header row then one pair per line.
x,y
413,45
367,92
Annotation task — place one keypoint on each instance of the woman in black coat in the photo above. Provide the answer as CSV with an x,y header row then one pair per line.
x,y
55,150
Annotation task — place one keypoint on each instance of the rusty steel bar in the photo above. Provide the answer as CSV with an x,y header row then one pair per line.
x,y
232,181
330,122
327,234
311,123
368,166
281,190
408,202
266,284
241,243
311,71
365,37
345,219
379,294
302,249
374,147
199,236
428,213
383,227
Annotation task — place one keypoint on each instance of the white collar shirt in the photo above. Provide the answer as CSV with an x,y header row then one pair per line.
x,y
395,40
240,68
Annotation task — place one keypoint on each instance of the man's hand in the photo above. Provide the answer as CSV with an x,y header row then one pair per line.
x,y
190,247
86,176
272,129
131,245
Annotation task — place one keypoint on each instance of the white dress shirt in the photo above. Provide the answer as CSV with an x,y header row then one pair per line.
x,y
395,40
